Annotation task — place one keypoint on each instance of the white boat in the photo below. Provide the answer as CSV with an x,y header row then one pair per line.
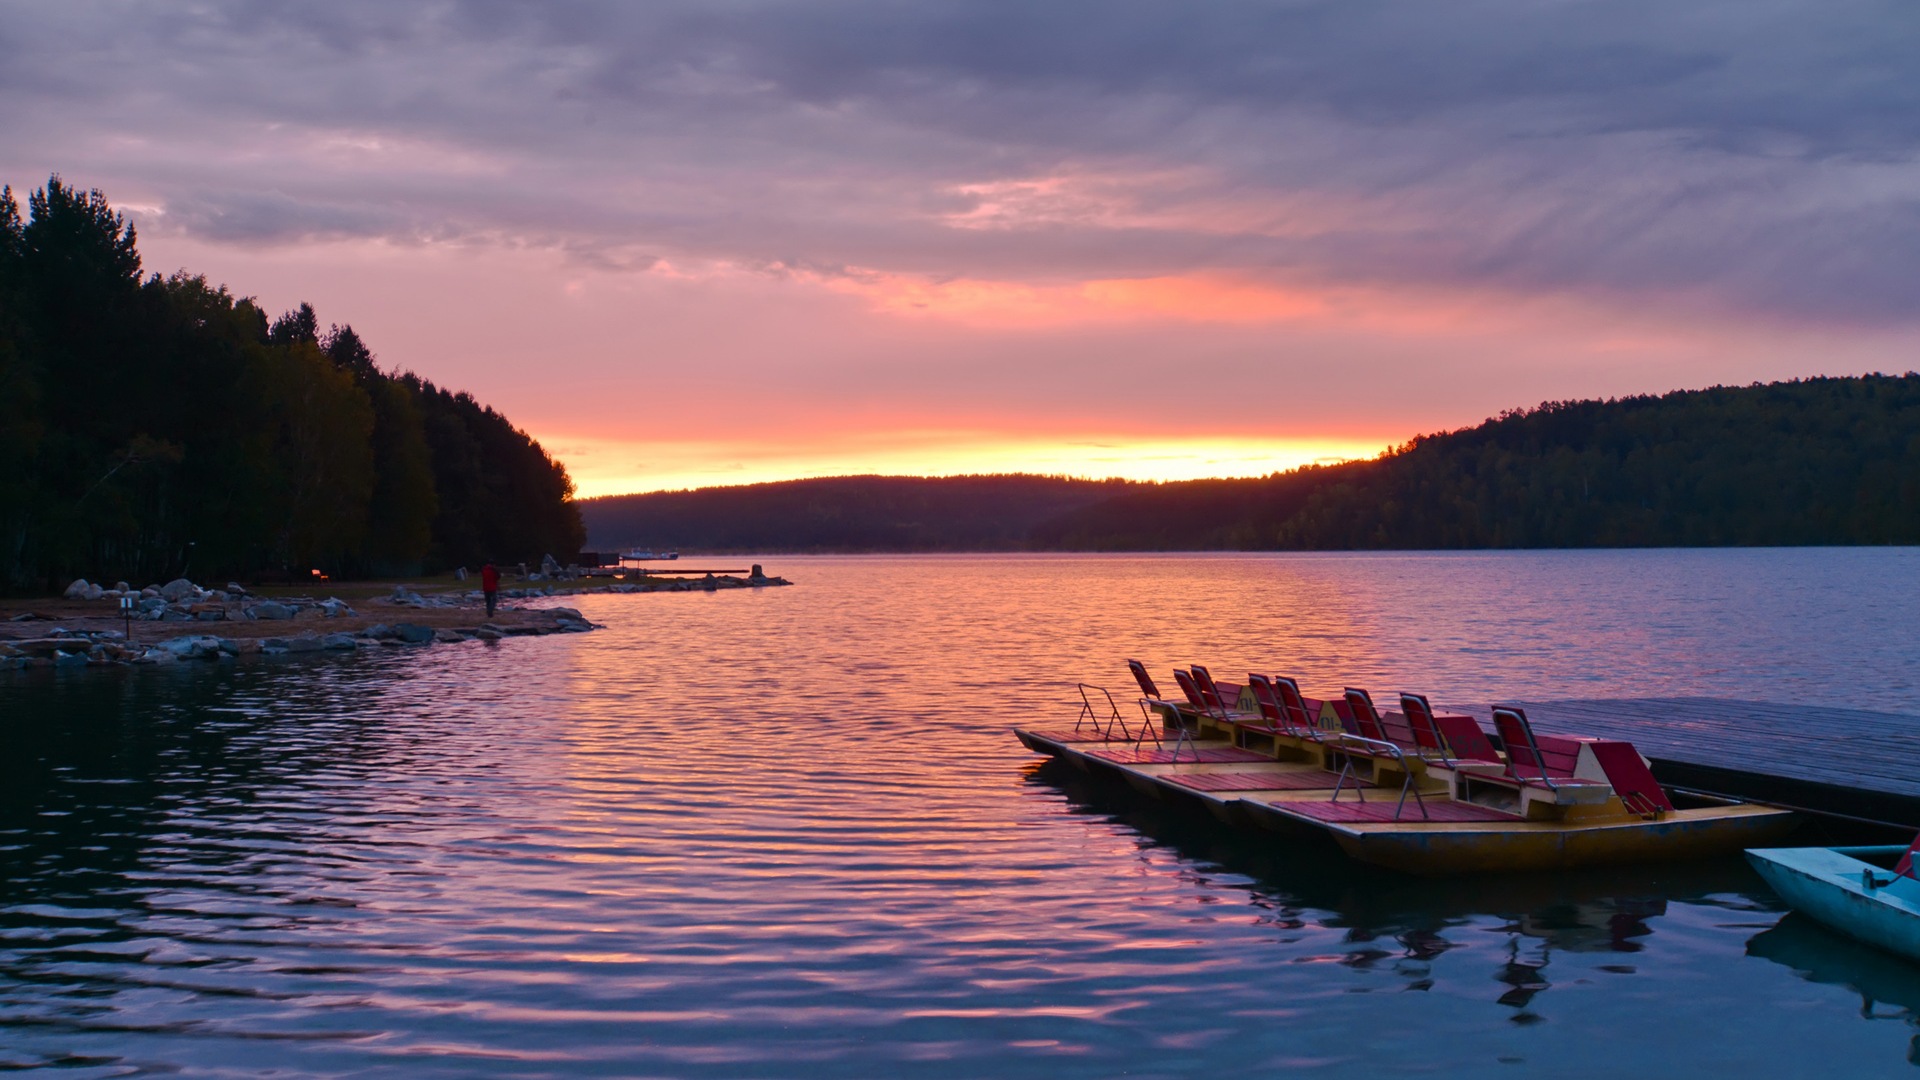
x,y
1866,893
643,555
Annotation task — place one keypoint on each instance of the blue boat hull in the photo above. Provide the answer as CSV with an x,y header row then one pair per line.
x,y
1837,888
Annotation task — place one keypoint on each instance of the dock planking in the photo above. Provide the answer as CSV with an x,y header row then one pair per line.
x,y
1851,762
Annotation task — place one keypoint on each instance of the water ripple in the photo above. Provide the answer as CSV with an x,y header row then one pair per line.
x,y
786,832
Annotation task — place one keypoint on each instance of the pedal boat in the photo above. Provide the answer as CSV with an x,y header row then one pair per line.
x,y
1851,890
1549,802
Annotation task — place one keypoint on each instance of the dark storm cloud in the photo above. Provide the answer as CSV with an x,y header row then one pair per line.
x,y
1753,154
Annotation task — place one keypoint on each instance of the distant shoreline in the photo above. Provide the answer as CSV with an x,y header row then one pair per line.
x,y
52,632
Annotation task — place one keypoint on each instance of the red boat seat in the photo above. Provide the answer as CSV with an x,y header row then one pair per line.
x,y
1192,691
1145,680
1465,738
1451,736
1281,708
1628,773
1223,697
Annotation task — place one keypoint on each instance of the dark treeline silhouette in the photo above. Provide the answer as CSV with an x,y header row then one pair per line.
x,y
1815,461
156,426
843,513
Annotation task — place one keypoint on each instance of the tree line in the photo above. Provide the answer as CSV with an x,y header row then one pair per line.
x,y
843,513
1813,461
157,426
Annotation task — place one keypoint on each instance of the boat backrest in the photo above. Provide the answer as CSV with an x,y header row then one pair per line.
x,y
1192,690
1293,706
1145,680
1531,756
1265,699
1426,731
1210,690
1464,738
1628,774
1366,718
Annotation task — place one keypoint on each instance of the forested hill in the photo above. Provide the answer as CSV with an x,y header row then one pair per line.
x,y
1816,461
152,427
844,513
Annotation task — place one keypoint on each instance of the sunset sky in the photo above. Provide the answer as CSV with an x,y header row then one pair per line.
x,y
722,242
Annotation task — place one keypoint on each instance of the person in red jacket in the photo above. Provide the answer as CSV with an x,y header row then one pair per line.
x,y
490,586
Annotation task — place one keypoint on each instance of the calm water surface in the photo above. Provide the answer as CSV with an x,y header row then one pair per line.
x,y
787,833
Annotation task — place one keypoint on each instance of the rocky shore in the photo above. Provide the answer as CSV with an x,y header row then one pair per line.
x,y
97,625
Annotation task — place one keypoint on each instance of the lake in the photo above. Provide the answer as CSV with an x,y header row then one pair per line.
x,y
787,832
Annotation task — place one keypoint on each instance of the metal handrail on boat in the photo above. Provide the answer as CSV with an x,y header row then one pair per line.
x,y
1147,705
1089,714
1146,724
1391,750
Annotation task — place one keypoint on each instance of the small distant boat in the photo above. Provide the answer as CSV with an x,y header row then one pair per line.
x,y
1867,893
643,555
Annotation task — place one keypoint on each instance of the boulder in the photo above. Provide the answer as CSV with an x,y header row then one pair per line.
x,y
178,589
208,612
153,604
566,613
413,633
333,608
304,643
342,641
77,590
40,646
95,592
575,626
488,633
268,609
192,647
229,646
236,589
379,632
172,615
448,637
151,592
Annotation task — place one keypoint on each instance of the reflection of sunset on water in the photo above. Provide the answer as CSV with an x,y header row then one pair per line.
x,y
792,826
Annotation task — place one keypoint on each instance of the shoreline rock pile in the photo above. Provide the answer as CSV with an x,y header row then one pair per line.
x,y
181,600
60,647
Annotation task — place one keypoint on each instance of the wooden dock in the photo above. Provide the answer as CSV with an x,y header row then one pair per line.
x,y
1847,762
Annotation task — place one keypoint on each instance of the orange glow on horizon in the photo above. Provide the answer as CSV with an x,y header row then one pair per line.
x,y
603,466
